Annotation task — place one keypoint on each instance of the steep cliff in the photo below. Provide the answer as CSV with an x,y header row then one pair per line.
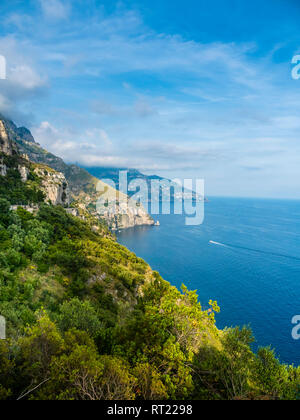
x,y
128,217
54,185
7,145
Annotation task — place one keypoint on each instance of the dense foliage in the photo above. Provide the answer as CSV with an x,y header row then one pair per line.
x,y
88,320
12,187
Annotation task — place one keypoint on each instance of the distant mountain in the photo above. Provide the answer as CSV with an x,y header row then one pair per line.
x,y
113,174
135,175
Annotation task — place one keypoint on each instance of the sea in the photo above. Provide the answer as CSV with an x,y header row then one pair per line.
x,y
245,255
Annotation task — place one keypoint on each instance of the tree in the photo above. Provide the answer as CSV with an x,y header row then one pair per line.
x,y
149,382
6,371
81,316
4,211
233,364
41,343
81,373
271,376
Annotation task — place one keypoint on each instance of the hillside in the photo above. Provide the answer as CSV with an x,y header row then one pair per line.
x,y
88,320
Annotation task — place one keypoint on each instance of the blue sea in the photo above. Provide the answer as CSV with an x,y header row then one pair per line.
x,y
252,269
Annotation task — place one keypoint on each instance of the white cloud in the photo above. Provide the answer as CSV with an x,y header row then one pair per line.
x,y
94,147
55,9
72,145
26,77
144,109
5,104
99,136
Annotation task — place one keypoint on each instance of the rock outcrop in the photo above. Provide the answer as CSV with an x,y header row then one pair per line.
x,y
127,215
24,172
7,146
54,185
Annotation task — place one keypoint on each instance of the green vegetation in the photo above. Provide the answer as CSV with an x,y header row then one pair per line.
x,y
12,187
88,320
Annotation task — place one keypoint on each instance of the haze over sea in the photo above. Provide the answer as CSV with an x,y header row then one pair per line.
x,y
252,269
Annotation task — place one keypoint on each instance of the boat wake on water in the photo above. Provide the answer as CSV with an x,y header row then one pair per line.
x,y
216,243
258,251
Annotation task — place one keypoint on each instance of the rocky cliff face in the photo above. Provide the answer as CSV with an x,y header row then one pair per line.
x,y
54,185
129,219
7,146
126,214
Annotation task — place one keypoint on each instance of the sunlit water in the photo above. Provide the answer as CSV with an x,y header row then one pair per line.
x,y
246,256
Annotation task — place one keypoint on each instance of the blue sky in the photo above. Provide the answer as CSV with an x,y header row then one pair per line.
x,y
177,88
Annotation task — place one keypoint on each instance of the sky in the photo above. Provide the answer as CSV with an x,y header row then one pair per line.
x,y
182,89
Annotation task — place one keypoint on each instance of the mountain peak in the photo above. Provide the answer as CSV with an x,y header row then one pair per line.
x,y
25,134
17,132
